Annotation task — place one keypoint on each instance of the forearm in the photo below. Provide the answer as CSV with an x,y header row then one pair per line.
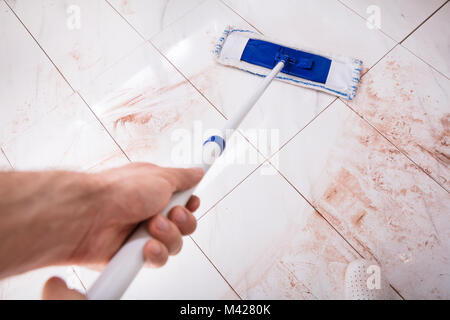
x,y
36,209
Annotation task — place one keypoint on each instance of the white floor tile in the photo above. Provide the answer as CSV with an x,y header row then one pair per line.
x,y
30,86
431,42
269,243
82,37
114,161
4,163
397,18
237,162
408,102
384,205
151,110
28,286
150,17
69,137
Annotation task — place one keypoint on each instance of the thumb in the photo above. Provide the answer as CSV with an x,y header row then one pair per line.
x,y
56,289
183,179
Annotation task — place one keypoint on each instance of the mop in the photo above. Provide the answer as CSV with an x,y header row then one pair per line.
x,y
256,54
253,53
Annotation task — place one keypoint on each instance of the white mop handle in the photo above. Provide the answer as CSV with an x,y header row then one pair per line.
x,y
126,263
124,266
240,114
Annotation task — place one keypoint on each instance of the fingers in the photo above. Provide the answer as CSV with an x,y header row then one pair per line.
x,y
183,179
193,203
155,253
183,219
56,289
166,232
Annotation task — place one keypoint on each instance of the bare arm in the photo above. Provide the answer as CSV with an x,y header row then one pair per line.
x,y
58,217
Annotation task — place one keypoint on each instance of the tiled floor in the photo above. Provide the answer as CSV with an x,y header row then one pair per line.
x,y
315,181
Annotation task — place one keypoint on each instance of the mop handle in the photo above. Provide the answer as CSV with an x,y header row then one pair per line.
x,y
126,263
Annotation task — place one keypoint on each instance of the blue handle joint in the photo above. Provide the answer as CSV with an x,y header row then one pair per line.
x,y
217,139
297,63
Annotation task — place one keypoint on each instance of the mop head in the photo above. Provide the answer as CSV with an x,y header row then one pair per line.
x,y
256,54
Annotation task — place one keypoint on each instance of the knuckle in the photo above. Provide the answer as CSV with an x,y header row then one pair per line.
x,y
193,226
152,227
176,246
189,227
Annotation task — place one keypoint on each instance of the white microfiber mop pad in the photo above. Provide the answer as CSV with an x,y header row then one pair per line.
x,y
343,75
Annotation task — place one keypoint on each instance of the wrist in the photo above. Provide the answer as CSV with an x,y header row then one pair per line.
x,y
78,198
43,216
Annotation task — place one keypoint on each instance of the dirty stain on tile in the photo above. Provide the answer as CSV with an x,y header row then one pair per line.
x,y
126,8
380,201
408,102
147,105
143,114
295,253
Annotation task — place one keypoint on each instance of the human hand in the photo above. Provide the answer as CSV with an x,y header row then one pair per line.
x,y
54,218
129,195
135,193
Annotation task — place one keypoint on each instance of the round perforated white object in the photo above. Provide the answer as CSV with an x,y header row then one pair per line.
x,y
364,281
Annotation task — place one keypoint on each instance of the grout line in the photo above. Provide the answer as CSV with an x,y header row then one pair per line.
x,y
103,125
229,7
328,222
400,42
79,279
428,64
6,157
423,22
126,20
396,291
39,45
267,159
365,20
65,79
188,80
108,67
390,142
220,273
315,208
251,144
304,127
163,27
177,19
229,192
164,56
378,61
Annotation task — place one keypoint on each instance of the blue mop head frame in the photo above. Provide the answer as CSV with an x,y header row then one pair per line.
x,y
256,54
